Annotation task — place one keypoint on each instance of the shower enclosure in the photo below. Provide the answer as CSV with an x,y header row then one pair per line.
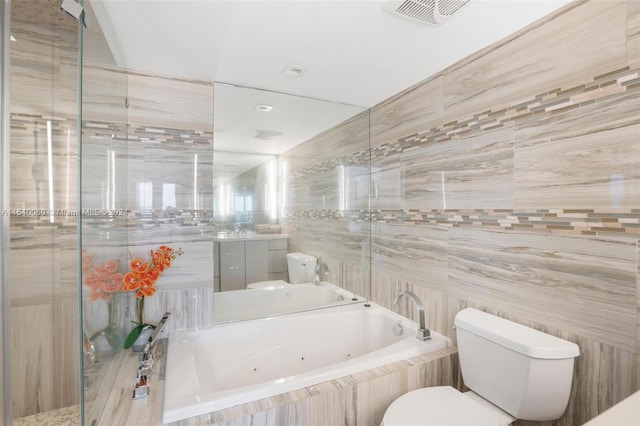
x,y
99,165
5,402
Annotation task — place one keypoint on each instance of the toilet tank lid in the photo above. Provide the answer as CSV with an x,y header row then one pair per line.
x,y
517,337
300,256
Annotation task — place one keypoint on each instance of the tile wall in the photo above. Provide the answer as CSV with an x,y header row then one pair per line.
x,y
511,182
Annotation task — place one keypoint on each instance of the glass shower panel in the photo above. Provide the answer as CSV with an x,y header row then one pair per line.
x,y
43,208
105,209
5,402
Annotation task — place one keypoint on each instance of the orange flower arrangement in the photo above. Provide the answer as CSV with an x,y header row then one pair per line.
x,y
141,278
104,280
143,275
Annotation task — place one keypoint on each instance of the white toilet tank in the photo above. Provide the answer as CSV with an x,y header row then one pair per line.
x,y
302,268
525,372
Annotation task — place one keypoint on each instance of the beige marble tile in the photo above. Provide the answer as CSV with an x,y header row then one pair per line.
x,y
341,141
104,96
375,396
417,254
168,102
337,187
39,69
583,285
29,159
589,39
475,171
414,110
584,158
44,263
44,339
633,32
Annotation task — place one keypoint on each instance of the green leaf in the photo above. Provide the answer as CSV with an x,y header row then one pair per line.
x,y
131,338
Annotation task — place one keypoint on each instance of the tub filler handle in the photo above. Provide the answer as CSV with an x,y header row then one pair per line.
x,y
423,332
146,361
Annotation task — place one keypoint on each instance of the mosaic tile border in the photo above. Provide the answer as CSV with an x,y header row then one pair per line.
x,y
130,219
623,222
358,158
570,221
99,130
554,101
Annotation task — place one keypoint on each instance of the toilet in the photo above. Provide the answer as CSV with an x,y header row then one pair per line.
x,y
513,371
302,269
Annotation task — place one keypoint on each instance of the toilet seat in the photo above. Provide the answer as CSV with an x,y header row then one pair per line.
x,y
269,285
443,405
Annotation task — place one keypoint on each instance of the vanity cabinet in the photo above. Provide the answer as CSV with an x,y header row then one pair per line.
x,y
256,263
232,265
277,258
245,261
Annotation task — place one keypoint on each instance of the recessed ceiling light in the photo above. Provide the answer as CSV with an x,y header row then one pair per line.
x,y
230,164
294,70
12,38
264,107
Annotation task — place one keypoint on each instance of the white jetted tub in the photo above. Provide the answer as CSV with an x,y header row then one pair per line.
x,y
230,364
262,302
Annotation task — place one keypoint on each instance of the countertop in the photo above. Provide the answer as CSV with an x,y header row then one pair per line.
x,y
624,413
250,237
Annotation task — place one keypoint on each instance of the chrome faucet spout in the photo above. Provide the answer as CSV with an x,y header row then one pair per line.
x,y
322,271
423,332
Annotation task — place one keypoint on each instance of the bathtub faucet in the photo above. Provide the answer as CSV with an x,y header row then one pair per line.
x,y
423,332
322,271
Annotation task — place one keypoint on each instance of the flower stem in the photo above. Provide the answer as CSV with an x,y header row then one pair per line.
x,y
140,310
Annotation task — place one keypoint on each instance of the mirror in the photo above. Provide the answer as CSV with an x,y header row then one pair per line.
x,y
287,179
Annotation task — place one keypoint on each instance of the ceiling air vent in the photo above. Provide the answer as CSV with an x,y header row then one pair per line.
x,y
431,12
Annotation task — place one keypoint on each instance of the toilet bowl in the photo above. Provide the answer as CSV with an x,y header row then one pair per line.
x,y
512,371
443,405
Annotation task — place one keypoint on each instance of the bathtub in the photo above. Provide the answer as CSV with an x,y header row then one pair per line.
x,y
230,364
257,303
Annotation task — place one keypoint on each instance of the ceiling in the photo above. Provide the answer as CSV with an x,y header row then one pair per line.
x,y
354,51
355,55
